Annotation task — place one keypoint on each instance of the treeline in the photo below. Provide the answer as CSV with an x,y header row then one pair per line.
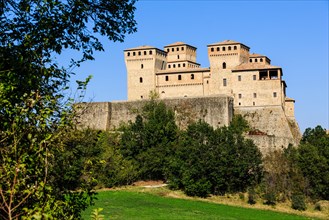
x,y
200,160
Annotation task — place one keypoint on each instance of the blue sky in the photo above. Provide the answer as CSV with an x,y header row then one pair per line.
x,y
293,34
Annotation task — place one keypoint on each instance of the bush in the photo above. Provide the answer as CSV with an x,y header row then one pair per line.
x,y
270,198
251,197
298,202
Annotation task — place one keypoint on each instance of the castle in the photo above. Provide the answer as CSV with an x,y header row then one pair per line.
x,y
173,72
237,82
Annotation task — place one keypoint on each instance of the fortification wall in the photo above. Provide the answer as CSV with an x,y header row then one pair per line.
x,y
216,110
270,128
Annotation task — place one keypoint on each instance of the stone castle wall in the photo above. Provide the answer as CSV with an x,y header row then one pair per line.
x,y
217,111
270,128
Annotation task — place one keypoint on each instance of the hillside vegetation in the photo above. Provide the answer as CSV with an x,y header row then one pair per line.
x,y
202,161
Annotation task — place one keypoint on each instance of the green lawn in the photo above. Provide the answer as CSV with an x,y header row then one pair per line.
x,y
138,205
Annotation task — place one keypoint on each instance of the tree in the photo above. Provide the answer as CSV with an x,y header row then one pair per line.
x,y
149,140
34,114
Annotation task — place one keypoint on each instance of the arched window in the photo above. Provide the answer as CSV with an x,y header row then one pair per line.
x,y
167,78
250,60
145,52
261,60
177,56
174,65
212,49
256,60
179,65
168,50
182,48
223,48
169,66
142,66
235,48
139,53
128,54
134,53
179,77
177,48
150,52
183,64
172,49
217,48
192,76
224,65
140,79
229,48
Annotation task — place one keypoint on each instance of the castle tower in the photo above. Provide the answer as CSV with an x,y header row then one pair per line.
x,y
181,55
223,57
142,63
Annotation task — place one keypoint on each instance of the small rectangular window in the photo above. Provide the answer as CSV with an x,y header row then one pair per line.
x,y
192,76
239,78
167,78
274,94
224,82
254,77
240,96
255,95
179,77
140,79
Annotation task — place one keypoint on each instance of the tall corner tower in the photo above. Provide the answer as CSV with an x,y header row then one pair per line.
x,y
142,64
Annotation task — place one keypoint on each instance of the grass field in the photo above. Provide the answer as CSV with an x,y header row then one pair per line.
x,y
122,204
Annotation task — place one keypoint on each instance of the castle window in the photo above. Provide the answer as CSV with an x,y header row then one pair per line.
x,y
167,78
134,53
207,82
163,92
141,97
177,49
229,48
150,52
145,52
261,60
254,77
140,79
174,66
274,94
253,103
235,48
240,96
250,60
256,60
255,95
183,48
168,50
183,64
192,76
172,49
179,65
128,54
178,57
139,53
224,65
179,77
224,82
223,48
142,66
239,78
217,48
239,103
212,49
169,66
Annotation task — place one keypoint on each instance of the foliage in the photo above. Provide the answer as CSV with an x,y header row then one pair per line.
x,y
214,161
147,142
298,202
95,215
35,116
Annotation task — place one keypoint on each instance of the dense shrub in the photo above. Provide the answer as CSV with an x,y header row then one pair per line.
x,y
298,202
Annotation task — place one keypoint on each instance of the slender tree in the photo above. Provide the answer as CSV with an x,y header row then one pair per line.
x,y
34,115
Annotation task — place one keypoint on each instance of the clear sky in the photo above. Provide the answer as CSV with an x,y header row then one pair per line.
x,y
293,34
